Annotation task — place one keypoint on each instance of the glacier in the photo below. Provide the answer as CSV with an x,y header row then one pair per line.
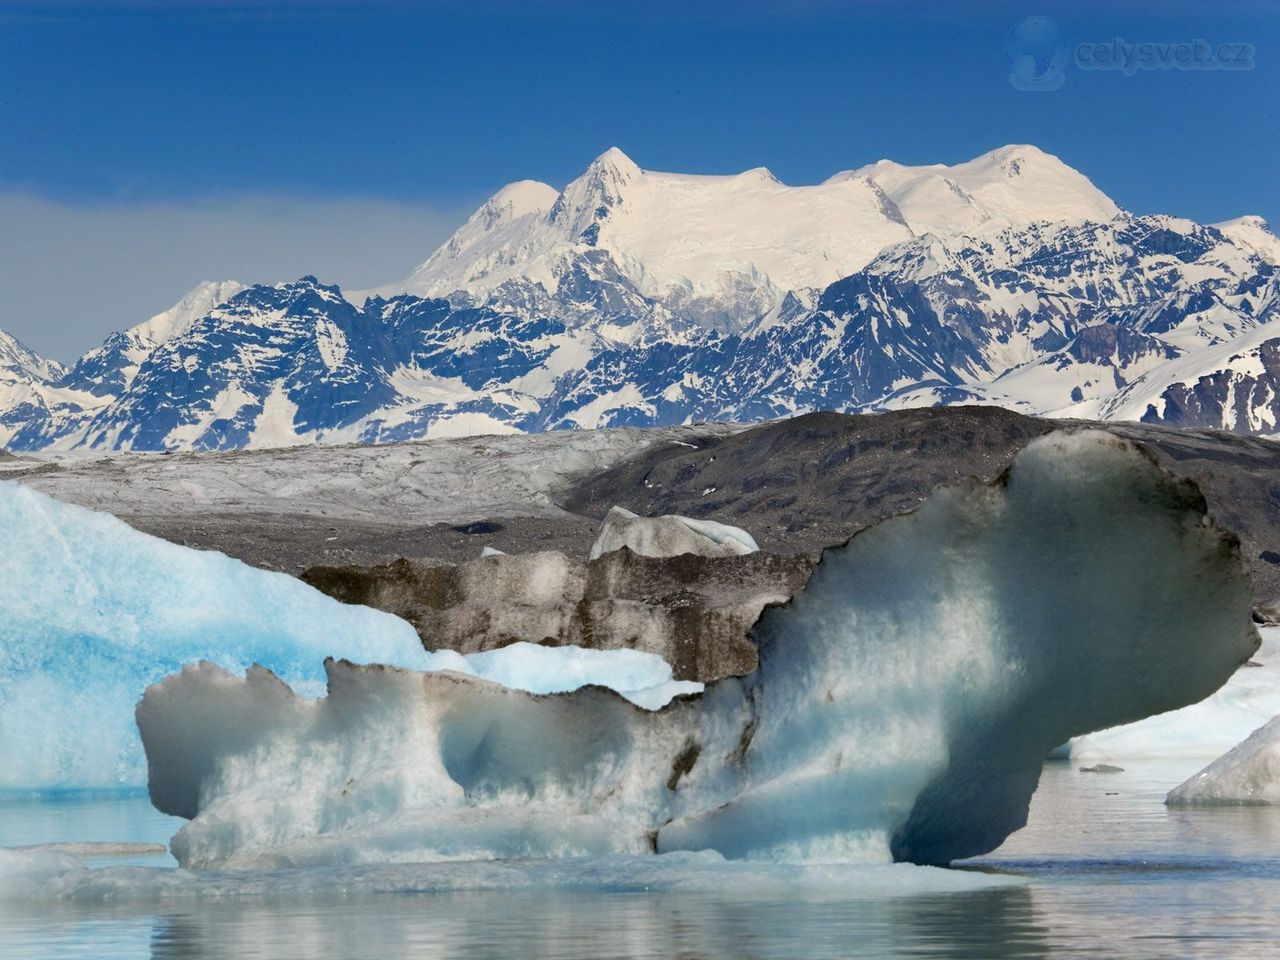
x,y
902,709
92,611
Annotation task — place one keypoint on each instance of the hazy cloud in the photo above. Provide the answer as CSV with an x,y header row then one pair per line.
x,y
71,274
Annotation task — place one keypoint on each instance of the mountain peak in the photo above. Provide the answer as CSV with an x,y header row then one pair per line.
x,y
521,198
1014,151
19,362
759,173
615,160
586,202
1011,185
308,283
178,319
1013,158
1253,233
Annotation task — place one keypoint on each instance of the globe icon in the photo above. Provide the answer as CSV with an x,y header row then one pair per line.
x,y
1038,52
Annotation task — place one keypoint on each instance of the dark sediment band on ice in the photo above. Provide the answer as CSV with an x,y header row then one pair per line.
x,y
695,612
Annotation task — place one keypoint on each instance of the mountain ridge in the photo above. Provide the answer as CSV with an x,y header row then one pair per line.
x,y
640,298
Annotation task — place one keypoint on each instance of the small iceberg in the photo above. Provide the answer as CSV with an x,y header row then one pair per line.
x,y
1247,775
669,536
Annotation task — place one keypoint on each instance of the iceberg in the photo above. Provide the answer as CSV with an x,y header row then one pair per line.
x,y
92,611
669,536
1246,775
902,708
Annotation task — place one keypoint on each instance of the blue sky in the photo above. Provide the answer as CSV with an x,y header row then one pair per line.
x,y
145,146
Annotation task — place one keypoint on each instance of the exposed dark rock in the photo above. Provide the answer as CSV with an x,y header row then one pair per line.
x,y
812,481
683,763
1227,397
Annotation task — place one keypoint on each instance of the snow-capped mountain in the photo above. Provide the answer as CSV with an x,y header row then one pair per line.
x,y
635,298
21,365
1006,187
23,375
724,250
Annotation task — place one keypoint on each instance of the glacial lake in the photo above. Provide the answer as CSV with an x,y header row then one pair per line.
x,y
1102,870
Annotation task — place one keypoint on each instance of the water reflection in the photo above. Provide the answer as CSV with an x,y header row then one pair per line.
x,y
984,926
1111,871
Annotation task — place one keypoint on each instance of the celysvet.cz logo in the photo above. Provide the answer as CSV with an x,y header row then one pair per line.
x,y
1040,53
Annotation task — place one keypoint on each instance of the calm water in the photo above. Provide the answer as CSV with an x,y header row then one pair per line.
x,y
1109,873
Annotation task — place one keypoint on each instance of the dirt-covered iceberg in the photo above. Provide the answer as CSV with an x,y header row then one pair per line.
x,y
903,705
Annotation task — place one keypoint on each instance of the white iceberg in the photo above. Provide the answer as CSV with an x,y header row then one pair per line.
x,y
92,611
669,536
1247,775
643,678
903,706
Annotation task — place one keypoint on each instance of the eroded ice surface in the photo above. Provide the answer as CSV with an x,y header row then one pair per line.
x,y
903,706
1206,729
92,611
643,678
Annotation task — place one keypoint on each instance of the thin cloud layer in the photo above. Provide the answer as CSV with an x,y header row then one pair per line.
x,y
71,274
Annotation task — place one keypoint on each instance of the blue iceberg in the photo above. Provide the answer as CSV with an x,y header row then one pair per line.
x,y
92,612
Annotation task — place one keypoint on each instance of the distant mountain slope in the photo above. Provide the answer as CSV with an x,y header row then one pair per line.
x,y
639,298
